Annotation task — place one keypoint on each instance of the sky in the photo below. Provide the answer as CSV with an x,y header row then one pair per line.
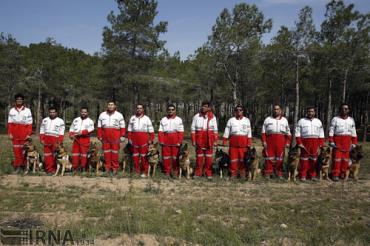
x,y
79,23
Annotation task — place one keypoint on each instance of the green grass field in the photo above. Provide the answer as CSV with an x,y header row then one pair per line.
x,y
125,211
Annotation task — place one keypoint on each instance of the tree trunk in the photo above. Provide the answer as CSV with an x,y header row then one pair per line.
x,y
296,106
344,85
328,113
366,118
38,111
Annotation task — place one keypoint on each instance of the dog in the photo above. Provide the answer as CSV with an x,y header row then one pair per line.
x,y
251,161
223,161
127,158
293,162
323,163
356,155
153,158
184,161
94,159
62,158
32,157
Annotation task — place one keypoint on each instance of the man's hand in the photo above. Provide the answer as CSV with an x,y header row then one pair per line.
x,y
193,143
264,144
122,139
287,146
301,146
10,136
353,146
100,139
332,144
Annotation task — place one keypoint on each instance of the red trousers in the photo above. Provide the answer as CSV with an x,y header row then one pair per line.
x,y
274,154
237,156
170,155
79,154
111,156
308,158
49,158
340,163
19,160
140,153
201,164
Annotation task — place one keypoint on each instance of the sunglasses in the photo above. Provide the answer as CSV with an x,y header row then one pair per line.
x,y
171,109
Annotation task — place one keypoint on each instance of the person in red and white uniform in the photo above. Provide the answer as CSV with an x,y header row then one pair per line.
x,y
140,135
310,137
111,132
275,137
239,133
51,133
204,135
170,136
342,138
79,132
19,130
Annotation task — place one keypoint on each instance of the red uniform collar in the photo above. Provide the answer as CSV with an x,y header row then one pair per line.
x,y
20,108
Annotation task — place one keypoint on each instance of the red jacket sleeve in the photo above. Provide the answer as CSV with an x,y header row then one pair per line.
x,y
29,129
263,137
151,136
129,136
71,134
60,138
193,137
10,128
85,133
288,139
250,142
354,140
224,141
100,132
298,140
322,142
123,132
181,137
160,137
42,136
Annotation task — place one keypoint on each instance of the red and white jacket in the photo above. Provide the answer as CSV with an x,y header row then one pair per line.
x,y
111,127
20,123
276,128
83,128
343,132
239,132
309,128
171,131
204,130
52,130
140,130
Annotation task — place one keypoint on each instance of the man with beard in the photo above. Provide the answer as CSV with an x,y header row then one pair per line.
x,y
275,137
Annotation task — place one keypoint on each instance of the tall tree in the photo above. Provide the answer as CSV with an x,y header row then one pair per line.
x,y
130,43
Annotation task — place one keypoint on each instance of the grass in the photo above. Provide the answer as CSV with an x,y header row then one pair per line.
x,y
208,213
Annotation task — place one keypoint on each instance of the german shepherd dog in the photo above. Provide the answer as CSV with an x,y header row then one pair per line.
x,y
33,157
153,158
93,159
184,161
251,161
293,162
323,163
356,155
223,161
62,158
127,158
